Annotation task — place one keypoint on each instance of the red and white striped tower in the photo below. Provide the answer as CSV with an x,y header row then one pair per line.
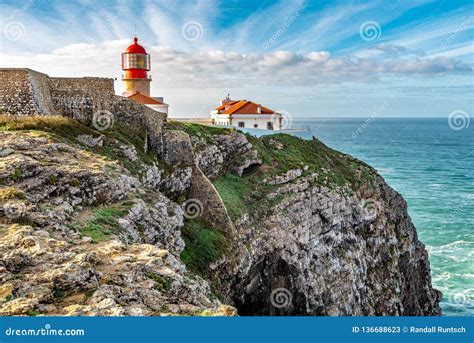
x,y
136,63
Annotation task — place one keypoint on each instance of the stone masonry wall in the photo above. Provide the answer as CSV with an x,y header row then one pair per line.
x,y
15,92
79,98
40,84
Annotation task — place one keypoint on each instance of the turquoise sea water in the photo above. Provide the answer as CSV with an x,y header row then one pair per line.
x,y
432,166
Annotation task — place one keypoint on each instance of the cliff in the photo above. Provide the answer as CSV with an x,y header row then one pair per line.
x,y
217,223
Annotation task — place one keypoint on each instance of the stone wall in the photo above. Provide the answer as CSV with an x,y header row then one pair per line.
x,y
27,92
130,112
15,92
41,92
24,92
80,98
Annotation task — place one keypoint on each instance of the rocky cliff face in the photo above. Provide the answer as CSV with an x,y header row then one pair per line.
x,y
93,224
320,233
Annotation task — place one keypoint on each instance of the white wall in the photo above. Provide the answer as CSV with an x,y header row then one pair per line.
x,y
160,108
249,120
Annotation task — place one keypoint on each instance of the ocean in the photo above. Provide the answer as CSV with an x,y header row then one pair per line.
x,y
432,165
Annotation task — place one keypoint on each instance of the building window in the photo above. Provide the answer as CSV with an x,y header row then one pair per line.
x,y
269,125
241,124
255,126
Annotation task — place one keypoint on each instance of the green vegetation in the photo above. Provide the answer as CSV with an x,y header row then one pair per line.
x,y
163,283
125,135
233,191
16,175
279,154
66,130
204,245
202,131
198,129
75,183
53,179
284,152
88,294
58,293
61,126
102,224
32,313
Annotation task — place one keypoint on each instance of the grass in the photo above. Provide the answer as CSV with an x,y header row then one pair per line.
x,y
58,293
279,154
340,169
163,283
202,131
233,191
197,129
16,175
66,130
60,125
32,313
102,224
203,245
334,167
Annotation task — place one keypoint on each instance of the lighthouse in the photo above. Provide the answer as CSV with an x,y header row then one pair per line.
x,y
136,64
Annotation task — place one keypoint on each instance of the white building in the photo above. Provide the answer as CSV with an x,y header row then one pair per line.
x,y
246,114
155,103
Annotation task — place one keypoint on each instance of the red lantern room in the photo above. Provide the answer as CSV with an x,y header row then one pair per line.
x,y
136,64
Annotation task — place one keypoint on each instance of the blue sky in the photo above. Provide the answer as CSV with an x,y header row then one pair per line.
x,y
310,58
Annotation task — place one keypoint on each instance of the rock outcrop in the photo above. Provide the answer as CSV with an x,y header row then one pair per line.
x,y
80,235
317,248
91,224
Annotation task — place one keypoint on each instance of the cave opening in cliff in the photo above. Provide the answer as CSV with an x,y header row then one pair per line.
x,y
269,290
250,169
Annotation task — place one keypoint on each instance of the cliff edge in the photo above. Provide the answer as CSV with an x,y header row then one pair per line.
x,y
218,223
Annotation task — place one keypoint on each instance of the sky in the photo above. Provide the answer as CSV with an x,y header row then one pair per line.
x,y
308,58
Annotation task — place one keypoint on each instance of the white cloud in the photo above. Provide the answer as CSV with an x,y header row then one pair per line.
x,y
173,68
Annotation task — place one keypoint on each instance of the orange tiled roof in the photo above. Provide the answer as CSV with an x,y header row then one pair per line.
x,y
243,107
144,99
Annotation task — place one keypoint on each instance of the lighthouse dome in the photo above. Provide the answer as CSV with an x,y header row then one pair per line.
x,y
136,48
135,61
